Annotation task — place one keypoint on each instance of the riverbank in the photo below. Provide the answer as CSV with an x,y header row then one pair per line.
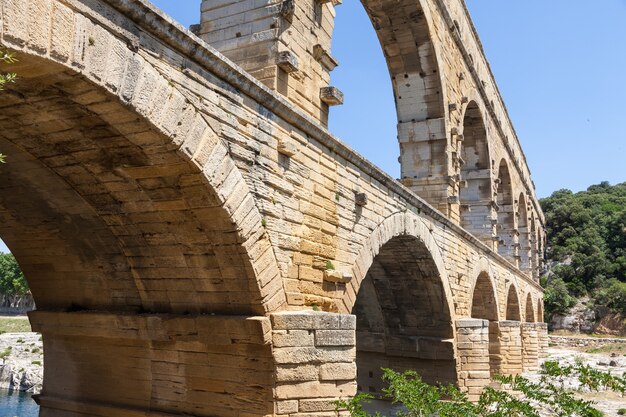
x,y
21,362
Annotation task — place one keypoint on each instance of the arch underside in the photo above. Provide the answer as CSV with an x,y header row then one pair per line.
x,y
103,213
485,307
475,194
507,235
512,305
530,311
405,35
403,319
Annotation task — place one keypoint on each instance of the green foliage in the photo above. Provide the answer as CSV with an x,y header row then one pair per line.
x,y
612,295
14,325
587,239
557,298
329,266
519,396
6,77
12,280
6,352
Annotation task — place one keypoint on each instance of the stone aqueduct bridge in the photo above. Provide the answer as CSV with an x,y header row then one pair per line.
x,y
198,244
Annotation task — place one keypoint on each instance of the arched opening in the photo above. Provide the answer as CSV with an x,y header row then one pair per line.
x,y
525,248
530,310
512,305
506,220
534,253
540,317
404,33
475,189
484,306
108,218
403,317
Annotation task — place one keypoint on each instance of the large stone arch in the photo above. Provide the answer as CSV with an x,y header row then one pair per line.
x,y
119,196
134,152
403,305
407,36
505,228
475,195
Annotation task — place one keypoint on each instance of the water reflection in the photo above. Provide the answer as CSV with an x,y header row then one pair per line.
x,y
17,404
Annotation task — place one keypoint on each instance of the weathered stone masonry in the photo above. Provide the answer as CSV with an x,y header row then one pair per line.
x,y
198,231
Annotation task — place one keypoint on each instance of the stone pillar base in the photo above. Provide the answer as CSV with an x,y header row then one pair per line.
x,y
473,354
530,347
544,340
315,356
121,365
509,348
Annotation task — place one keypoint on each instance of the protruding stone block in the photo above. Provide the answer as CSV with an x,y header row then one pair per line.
x,y
332,275
331,96
287,148
361,199
288,9
287,61
325,58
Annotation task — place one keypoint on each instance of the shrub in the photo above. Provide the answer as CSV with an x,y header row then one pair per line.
x,y
557,298
519,396
613,296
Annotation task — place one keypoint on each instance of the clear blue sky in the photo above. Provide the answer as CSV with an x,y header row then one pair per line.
x,y
560,65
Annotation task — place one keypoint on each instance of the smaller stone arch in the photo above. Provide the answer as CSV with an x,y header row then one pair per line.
x,y
540,318
530,310
505,229
513,309
403,311
524,251
485,307
534,253
484,300
475,176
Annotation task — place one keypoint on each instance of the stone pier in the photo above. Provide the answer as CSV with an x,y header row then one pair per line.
x,y
315,356
530,346
473,355
509,348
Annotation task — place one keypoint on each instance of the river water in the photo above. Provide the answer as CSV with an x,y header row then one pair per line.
x,y
17,404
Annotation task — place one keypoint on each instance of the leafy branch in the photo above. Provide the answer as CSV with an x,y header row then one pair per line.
x,y
518,397
6,78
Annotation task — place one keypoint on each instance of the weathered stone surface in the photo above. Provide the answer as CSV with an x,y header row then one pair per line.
x,y
153,197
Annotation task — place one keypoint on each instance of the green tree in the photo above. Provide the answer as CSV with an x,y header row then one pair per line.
x,y
12,280
557,299
586,240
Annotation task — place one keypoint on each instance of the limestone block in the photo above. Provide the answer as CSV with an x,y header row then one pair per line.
x,y
338,372
335,338
287,61
331,96
330,275
287,407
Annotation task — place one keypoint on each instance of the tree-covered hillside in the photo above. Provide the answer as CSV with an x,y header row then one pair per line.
x,y
586,247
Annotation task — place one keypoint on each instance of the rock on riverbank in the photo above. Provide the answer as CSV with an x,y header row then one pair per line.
x,y
21,362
